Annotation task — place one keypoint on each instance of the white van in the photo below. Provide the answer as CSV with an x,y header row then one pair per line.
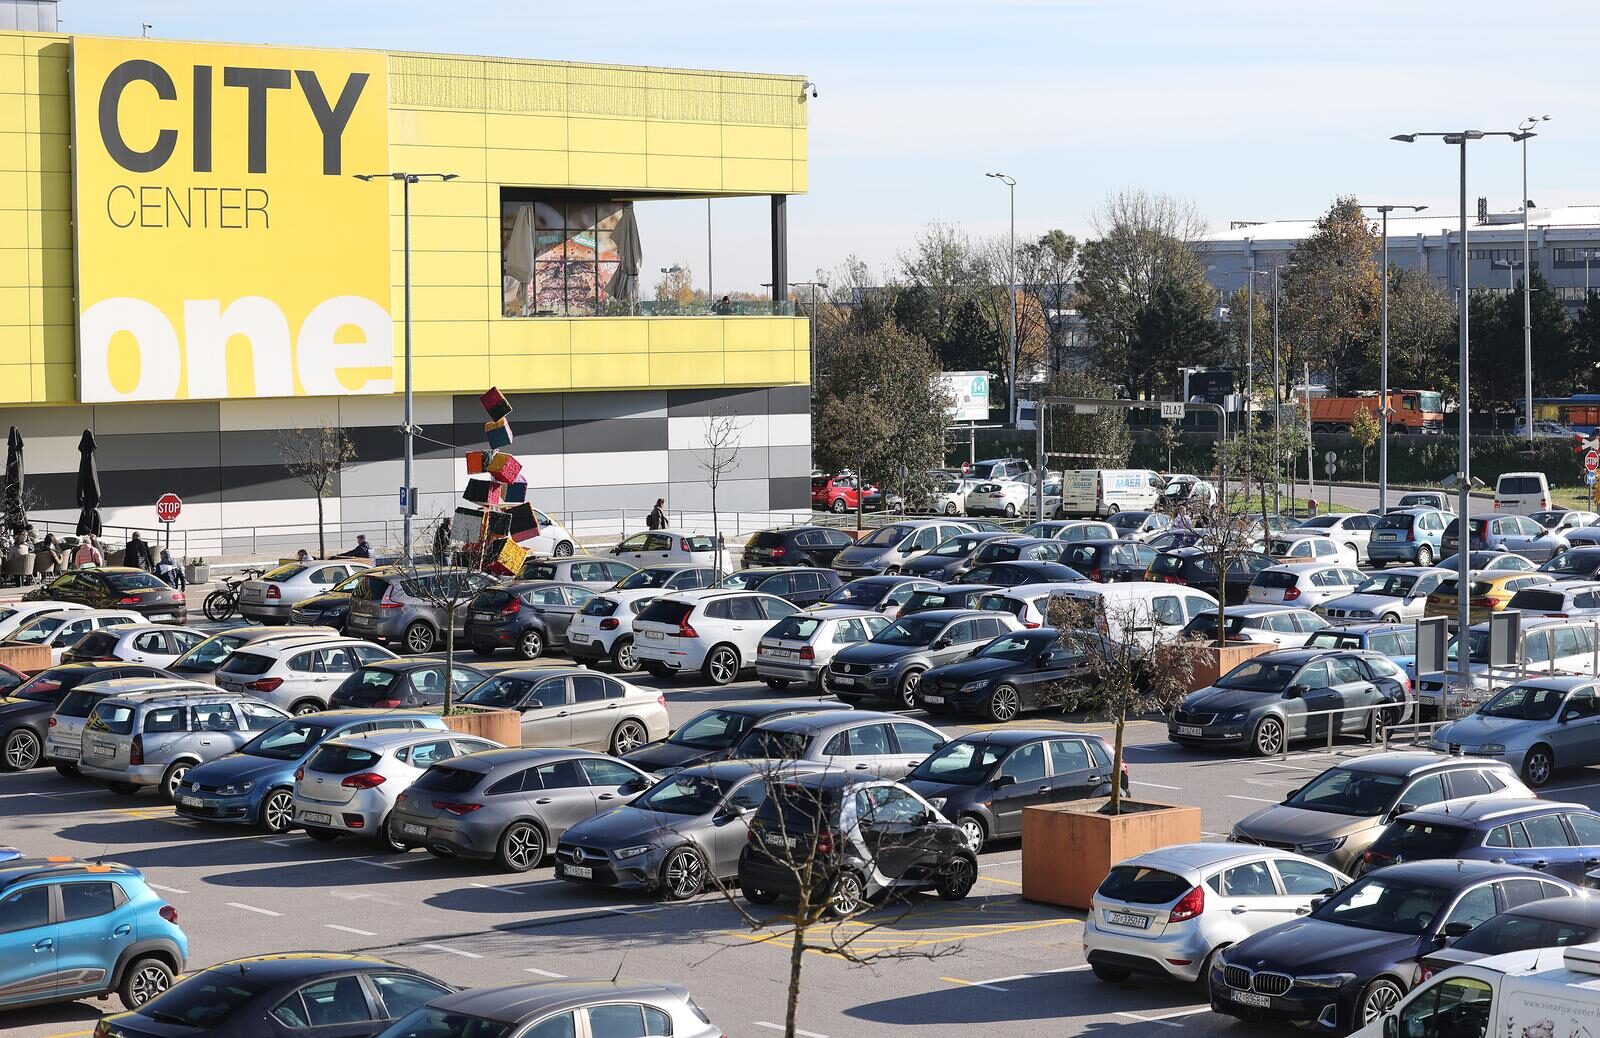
x,y
1552,992
1521,493
1143,610
1109,491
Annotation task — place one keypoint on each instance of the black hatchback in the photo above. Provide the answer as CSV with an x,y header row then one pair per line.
x,y
710,735
1109,561
1023,571
795,546
1197,568
802,585
1013,673
405,682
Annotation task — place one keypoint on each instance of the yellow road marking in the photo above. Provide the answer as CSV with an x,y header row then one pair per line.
x,y
996,879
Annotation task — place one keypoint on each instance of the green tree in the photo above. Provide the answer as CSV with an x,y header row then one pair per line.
x,y
1494,331
1175,330
1047,270
1086,441
1236,337
1559,367
1331,295
1365,429
1422,333
1586,340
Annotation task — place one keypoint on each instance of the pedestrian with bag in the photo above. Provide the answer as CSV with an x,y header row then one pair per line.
x,y
137,553
657,519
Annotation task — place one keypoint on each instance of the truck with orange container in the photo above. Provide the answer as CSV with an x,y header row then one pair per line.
x,y
1411,411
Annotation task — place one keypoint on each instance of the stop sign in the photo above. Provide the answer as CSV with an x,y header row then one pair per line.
x,y
965,468
167,507
1591,461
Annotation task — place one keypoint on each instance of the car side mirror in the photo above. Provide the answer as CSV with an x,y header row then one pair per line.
x,y
1567,715
1316,903
1296,691
1454,930
1401,809
1043,659
735,811
1290,795
1002,781
633,785
942,643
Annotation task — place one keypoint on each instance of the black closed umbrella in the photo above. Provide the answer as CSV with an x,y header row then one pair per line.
x,y
15,518
88,487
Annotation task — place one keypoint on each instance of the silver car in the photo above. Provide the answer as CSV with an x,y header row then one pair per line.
x,y
391,604
276,592
153,733
1165,912
796,650
1535,726
889,547
1391,596
350,784
554,1008
572,706
159,645
592,573
875,744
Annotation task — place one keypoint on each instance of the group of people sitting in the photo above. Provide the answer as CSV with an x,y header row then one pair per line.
x,y
52,555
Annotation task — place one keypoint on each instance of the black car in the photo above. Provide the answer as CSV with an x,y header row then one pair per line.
x,y
1197,568
1108,561
331,608
25,712
1012,548
1011,574
949,556
802,585
946,596
1355,956
116,587
886,593
530,616
1581,563
854,839
710,735
1553,922
795,546
1013,673
983,781
405,682
279,996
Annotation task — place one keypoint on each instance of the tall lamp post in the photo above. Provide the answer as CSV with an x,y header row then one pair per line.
x,y
1510,266
1525,131
1011,293
1250,275
409,430
1461,138
813,285
1383,359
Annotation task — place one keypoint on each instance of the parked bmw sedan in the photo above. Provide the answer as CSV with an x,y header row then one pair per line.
x,y
1552,922
1536,726
891,665
1355,956
711,735
1391,596
1012,673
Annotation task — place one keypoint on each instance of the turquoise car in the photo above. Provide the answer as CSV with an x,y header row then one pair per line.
x,y
1413,537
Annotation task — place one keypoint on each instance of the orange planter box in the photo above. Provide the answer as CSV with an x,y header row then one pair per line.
x,y
1068,849
1222,659
28,659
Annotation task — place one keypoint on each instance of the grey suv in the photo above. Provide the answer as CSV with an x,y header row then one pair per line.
x,y
390,604
891,665
153,733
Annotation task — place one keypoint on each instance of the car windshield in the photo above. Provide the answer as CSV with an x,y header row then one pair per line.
x,y
914,630
1475,560
1415,841
38,630
712,730
1477,646
1013,647
1578,561
645,579
921,601
684,794
1333,638
957,547
886,536
1510,932
1389,585
744,580
1205,625
135,582
1524,703
759,744
961,763
1321,522
1260,676
1346,791
1396,522
1127,520
1546,519
1378,902
858,593
288,571
286,740
205,1000
427,1022
211,651
499,692
796,626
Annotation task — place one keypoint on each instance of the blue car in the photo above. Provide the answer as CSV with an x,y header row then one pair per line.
x,y
255,786
72,930
1414,537
1560,840
1396,641
9,854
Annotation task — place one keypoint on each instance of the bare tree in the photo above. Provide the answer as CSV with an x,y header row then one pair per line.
x,y
315,457
449,586
720,456
1229,535
1170,435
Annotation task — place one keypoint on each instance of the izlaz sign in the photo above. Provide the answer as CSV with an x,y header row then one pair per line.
x,y
224,248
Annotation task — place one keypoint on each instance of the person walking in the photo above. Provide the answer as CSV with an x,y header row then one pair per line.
x,y
87,553
137,553
170,571
657,519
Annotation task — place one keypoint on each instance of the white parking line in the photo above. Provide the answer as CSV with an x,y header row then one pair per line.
x,y
253,908
164,890
999,864
1151,1020
377,864
544,973
491,886
452,951
779,1027
1259,800
1156,785
350,929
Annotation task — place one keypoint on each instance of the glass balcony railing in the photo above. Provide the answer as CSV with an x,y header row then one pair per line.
x,y
664,308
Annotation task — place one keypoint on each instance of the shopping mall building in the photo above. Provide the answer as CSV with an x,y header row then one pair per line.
x,y
190,265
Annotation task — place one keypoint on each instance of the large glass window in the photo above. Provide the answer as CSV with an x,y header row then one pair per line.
x,y
570,250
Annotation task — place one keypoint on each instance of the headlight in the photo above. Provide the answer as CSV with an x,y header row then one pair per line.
x,y
938,803
1321,847
1326,980
1237,715
236,789
975,686
631,852
882,666
1492,747
1364,614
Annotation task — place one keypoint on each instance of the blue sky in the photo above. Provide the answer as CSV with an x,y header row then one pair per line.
x,y
1250,109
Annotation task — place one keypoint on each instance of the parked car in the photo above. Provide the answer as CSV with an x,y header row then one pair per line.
x,y
509,805
1011,549
329,608
1196,567
255,785
201,662
945,494
1561,599
1414,536
274,594
584,571
946,596
1521,493
713,632
58,632
63,731
1560,840
890,547
603,628
1108,561
834,828
1359,947
407,681
14,614
1139,525
1287,627
891,665
550,539
570,706
1109,491
1186,491
1390,596
949,556
159,645
1556,920
668,576
10,679
1145,612
298,675
349,785
1168,913
119,936
1303,548
983,781
1515,533
801,585
710,736
1487,593
269,996
839,494
531,617
1563,519
795,546
991,497
1304,584
116,587
1551,645
1338,814
1023,571
25,711
1018,671
390,604
1436,499
657,546
1536,726
1581,563
1354,530
885,594
1029,603
1398,642
1071,530
865,742
1486,563
1283,696
797,649
555,1008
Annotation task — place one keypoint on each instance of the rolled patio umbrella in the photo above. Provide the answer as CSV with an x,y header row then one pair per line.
x,y
15,518
88,487
624,283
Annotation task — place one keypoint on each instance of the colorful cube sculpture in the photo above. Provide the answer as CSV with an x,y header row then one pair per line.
x,y
477,462
498,434
495,404
484,491
524,524
467,526
505,467
496,523
516,493
504,557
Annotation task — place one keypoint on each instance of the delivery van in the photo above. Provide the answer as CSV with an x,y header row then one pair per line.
x,y
1102,492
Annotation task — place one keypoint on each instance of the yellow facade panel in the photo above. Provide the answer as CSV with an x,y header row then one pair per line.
x,y
440,129
686,369
686,334
451,374
526,132
611,371
458,269
14,306
50,152
526,167
758,176
48,113
678,172
756,142
510,337
447,233
433,198
16,345
439,303
16,383
802,367
588,169
447,339
667,137
53,305
617,335
535,374
16,43
13,74
54,268
49,229
465,163
55,344
47,71
753,369
757,333
14,227
13,112
54,190
14,264
625,136
14,150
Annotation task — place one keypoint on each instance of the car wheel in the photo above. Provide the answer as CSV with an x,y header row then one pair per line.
x,y
683,874
757,896
563,550
521,847
277,811
1268,738
1378,999
321,835
838,506
958,878
306,706
847,895
1110,974
623,657
1424,556
1538,766
22,750
125,789
722,665
1377,721
1112,510
777,684
530,644
144,980
1011,510
171,777
387,840
949,508
908,687
972,827
419,638
630,735
1204,979
482,649
1003,704
1390,618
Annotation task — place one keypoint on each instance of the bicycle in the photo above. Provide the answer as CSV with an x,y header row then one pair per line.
x,y
224,601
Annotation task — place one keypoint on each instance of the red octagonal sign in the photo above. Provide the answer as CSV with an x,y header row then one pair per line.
x,y
1591,461
168,506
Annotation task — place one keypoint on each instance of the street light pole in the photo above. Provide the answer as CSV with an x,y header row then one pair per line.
x,y
813,285
1524,131
408,431
1011,293
1277,404
1383,361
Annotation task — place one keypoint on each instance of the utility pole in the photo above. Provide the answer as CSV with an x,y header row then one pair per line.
x,y
1011,295
1384,410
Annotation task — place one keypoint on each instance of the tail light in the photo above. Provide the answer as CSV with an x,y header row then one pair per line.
x,y
511,607
1030,626
825,841
683,544
459,810
778,553
168,913
610,623
1488,603
136,751
1411,534
403,798
1290,594
1426,972
300,773
366,780
1192,904
1544,502
52,722
1095,574
128,600
685,630
264,684
389,600
273,591
177,596
807,652
1497,504
387,704
661,700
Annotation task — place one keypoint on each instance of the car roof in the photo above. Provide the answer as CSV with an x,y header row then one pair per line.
x,y
1487,810
315,641
1203,855
19,870
1258,609
1302,568
949,615
409,663
764,707
1558,682
92,665
1018,736
513,756
270,969
1581,910
823,719
1403,762
135,684
391,738
179,692
129,630
335,718
1452,872
518,1002
1370,627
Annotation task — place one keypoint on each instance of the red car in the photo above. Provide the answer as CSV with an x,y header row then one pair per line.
x,y
837,493
10,679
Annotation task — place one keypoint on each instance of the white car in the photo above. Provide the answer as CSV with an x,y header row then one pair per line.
x,y
1072,530
552,538
350,783
946,496
297,675
159,645
59,631
1390,596
14,614
603,628
1287,627
1052,499
1488,563
715,632
657,546
1304,584
1029,603
1561,520
1351,529
279,590
1295,547
1006,497
1565,598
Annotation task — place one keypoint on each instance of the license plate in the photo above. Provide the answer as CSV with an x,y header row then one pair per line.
x,y
1187,729
1428,699
655,636
936,700
483,616
1250,998
316,817
1386,536
161,616
576,636
578,871
413,830
104,749
840,679
1138,922
782,654
191,802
